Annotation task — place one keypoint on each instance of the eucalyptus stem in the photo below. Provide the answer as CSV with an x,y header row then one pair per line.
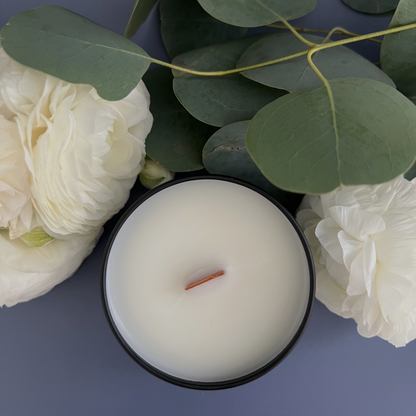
x,y
329,91
315,68
330,33
338,31
230,71
295,32
315,49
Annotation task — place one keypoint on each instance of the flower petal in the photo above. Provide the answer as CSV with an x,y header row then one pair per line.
x,y
337,271
396,246
363,269
356,222
392,291
306,218
327,233
329,292
27,272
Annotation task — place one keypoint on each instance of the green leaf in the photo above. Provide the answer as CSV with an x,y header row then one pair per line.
x,y
398,50
254,13
176,139
296,74
372,6
225,153
64,44
411,173
138,16
186,26
220,100
37,237
302,143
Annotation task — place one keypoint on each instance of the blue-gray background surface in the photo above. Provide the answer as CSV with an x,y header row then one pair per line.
x,y
58,356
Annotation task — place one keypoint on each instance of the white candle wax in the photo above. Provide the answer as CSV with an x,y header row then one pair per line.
x,y
225,328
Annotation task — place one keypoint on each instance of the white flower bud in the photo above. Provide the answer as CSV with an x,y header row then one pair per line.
x,y
154,174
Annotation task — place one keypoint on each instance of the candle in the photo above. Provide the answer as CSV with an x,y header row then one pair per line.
x,y
207,282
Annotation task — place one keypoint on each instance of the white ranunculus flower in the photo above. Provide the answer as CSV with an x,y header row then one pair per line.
x,y
15,201
363,239
27,272
83,153
68,160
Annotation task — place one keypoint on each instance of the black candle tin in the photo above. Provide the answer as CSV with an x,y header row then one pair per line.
x,y
196,384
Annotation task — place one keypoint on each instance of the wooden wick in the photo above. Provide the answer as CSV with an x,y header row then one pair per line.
x,y
207,279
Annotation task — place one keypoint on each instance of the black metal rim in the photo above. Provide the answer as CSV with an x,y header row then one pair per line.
x,y
196,384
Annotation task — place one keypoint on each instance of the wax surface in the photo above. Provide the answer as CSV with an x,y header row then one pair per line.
x,y
222,329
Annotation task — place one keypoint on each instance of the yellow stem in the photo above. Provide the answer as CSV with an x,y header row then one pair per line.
x,y
340,30
366,37
315,68
230,71
330,96
293,30
315,49
330,33
348,33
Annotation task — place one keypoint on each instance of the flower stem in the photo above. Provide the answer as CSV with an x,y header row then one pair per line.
x,y
315,49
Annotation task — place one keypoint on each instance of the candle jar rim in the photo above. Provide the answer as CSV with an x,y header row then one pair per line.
x,y
200,385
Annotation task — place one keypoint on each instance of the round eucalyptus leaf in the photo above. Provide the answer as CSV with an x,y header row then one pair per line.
x,y
411,173
372,6
176,139
141,11
225,153
303,143
185,26
296,74
219,101
70,47
254,13
398,50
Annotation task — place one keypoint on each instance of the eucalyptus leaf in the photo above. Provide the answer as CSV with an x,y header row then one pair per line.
x,y
411,173
398,50
176,139
296,74
185,26
141,11
220,100
254,13
302,143
59,42
372,6
225,153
